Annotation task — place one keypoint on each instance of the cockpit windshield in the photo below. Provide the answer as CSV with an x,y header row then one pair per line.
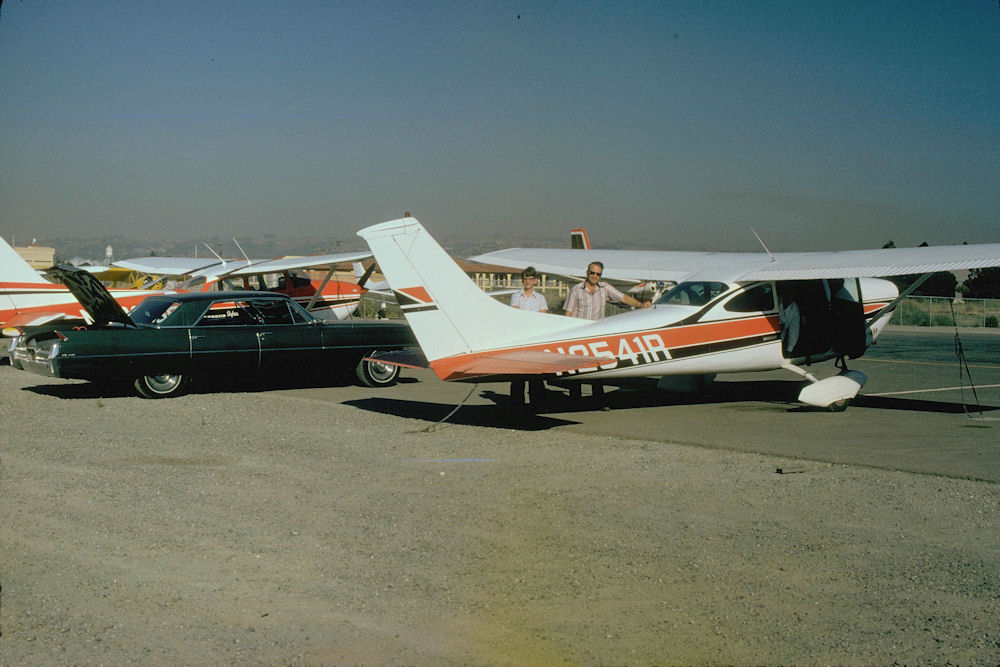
x,y
192,284
696,293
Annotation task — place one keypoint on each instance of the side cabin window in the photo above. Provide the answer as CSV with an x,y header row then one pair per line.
x,y
696,293
756,299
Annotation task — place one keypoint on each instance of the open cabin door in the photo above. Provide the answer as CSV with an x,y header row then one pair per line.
x,y
821,318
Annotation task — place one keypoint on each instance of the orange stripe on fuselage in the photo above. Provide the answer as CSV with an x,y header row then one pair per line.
x,y
649,345
44,287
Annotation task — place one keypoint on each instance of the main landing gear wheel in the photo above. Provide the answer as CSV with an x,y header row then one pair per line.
x,y
376,374
838,406
166,385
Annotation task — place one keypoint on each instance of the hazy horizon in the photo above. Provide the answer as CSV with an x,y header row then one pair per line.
x,y
668,124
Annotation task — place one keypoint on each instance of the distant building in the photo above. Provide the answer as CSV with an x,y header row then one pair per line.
x,y
39,257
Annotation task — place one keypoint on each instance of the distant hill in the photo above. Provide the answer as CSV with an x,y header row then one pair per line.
x,y
93,249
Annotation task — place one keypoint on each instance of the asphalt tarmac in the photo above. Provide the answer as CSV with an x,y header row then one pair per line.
x,y
430,523
923,409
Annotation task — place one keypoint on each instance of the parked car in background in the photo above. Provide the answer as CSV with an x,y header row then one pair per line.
x,y
169,339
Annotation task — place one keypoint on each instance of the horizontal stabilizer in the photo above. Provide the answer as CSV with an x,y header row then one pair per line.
x,y
515,362
411,357
34,319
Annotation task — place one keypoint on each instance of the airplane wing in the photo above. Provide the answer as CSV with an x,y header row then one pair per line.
x,y
167,266
742,267
289,263
185,266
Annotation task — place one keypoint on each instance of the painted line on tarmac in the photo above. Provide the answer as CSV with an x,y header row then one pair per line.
x,y
928,391
927,363
450,460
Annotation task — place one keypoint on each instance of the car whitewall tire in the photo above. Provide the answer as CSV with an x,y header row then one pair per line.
x,y
376,374
165,385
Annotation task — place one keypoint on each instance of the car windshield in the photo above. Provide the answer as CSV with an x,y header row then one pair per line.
x,y
154,311
696,293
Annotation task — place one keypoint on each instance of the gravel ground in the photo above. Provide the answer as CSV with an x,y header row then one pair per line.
x,y
257,528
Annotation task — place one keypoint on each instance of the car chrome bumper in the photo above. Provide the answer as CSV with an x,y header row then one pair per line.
x,y
26,359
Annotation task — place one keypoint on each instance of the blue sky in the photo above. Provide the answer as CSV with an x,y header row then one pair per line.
x,y
681,125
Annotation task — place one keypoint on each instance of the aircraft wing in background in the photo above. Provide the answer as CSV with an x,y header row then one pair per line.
x,y
189,266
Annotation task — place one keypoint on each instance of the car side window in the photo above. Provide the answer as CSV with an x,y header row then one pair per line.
x,y
272,311
228,314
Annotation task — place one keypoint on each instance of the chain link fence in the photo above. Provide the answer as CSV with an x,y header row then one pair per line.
x,y
940,311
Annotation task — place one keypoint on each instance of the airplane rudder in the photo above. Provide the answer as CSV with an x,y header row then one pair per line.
x,y
14,268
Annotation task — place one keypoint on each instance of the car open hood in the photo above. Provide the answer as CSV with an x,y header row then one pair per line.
x,y
91,294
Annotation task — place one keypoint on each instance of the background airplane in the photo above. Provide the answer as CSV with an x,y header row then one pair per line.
x,y
325,297
730,312
643,290
27,298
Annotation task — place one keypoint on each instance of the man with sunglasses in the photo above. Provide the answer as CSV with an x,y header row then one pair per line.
x,y
587,299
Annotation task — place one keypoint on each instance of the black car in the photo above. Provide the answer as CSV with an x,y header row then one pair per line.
x,y
168,339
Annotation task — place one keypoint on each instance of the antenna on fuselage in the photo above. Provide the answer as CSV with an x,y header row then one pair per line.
x,y
759,240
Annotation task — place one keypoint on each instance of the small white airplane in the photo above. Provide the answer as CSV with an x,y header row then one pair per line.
x,y
27,298
729,313
327,297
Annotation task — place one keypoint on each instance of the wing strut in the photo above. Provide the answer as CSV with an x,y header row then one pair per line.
x,y
902,295
367,274
316,295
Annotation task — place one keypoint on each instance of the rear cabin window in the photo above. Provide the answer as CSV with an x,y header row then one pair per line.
x,y
156,312
759,298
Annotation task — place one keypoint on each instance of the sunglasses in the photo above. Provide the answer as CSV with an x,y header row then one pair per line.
x,y
594,273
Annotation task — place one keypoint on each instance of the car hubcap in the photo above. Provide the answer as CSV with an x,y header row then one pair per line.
x,y
381,372
162,384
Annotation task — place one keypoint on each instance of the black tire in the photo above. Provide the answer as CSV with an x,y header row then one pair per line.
x,y
165,385
376,374
838,406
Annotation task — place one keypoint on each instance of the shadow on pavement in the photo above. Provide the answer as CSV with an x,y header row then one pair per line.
x,y
918,405
200,385
493,416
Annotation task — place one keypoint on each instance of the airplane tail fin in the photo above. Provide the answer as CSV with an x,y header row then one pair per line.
x,y
17,279
578,239
448,313
13,267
